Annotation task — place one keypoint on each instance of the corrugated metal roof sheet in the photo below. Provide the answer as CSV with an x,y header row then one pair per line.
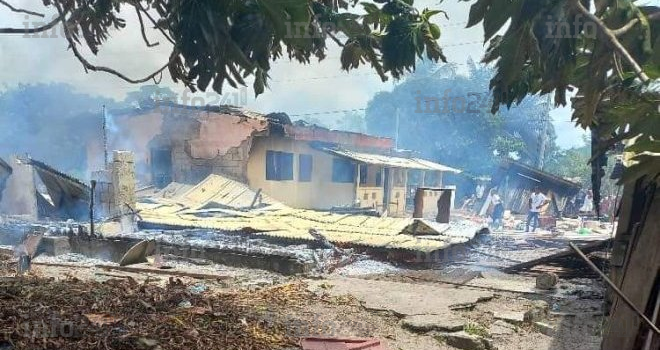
x,y
391,161
274,219
437,166
58,183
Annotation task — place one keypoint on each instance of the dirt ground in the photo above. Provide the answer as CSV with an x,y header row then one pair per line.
x,y
376,306
470,295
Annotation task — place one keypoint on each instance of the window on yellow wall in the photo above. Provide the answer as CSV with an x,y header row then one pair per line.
x,y
343,170
399,177
279,166
363,174
305,166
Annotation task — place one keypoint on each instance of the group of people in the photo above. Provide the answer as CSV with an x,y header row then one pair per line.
x,y
537,202
583,205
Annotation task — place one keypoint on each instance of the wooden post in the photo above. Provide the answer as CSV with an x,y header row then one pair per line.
x,y
356,193
444,207
418,212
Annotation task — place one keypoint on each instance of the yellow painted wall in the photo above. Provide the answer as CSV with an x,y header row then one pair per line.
x,y
370,197
319,193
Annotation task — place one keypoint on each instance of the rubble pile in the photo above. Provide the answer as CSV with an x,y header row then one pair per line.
x,y
217,239
39,313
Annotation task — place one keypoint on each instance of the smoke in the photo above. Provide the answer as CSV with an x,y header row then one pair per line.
x,y
52,123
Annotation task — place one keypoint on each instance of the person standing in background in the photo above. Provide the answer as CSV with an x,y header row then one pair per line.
x,y
588,205
536,201
498,209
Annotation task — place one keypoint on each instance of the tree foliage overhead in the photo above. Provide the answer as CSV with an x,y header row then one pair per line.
x,y
225,42
609,56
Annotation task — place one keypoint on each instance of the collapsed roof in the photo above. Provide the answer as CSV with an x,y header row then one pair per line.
x,y
219,203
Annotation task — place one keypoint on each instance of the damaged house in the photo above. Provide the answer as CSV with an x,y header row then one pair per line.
x,y
300,165
35,190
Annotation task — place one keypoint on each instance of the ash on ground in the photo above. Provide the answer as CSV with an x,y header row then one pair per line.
x,y
366,267
72,258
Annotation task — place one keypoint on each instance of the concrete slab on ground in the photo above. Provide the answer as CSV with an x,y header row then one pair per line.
x,y
428,323
404,299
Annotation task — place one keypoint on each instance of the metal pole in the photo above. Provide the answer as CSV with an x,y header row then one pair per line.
x,y
105,140
91,208
614,287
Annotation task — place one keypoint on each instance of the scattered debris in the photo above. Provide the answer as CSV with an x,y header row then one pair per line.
x,y
514,318
545,328
500,327
547,281
90,315
339,343
138,253
428,323
163,272
538,311
565,262
465,341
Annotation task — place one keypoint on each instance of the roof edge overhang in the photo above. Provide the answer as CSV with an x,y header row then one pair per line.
x,y
388,160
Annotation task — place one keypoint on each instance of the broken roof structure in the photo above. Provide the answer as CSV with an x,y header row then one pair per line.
x,y
223,204
65,197
516,180
68,197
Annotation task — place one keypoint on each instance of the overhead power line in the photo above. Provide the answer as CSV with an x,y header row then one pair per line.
x,y
328,112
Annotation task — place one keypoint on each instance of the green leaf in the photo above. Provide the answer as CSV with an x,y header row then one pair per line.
x,y
496,17
478,12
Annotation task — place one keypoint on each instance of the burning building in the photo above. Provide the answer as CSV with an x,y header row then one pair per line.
x,y
303,166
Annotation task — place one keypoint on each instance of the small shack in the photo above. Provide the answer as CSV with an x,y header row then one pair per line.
x,y
515,182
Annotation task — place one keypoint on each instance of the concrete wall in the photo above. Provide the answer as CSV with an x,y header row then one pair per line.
x,y
202,142
19,195
319,193
114,249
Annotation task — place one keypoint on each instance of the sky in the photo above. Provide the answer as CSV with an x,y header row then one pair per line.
x,y
296,89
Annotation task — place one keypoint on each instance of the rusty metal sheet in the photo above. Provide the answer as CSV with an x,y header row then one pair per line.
x,y
342,344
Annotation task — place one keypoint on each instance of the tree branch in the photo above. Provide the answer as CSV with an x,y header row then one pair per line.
x,y
153,21
14,9
611,38
628,26
144,34
335,39
89,66
31,30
